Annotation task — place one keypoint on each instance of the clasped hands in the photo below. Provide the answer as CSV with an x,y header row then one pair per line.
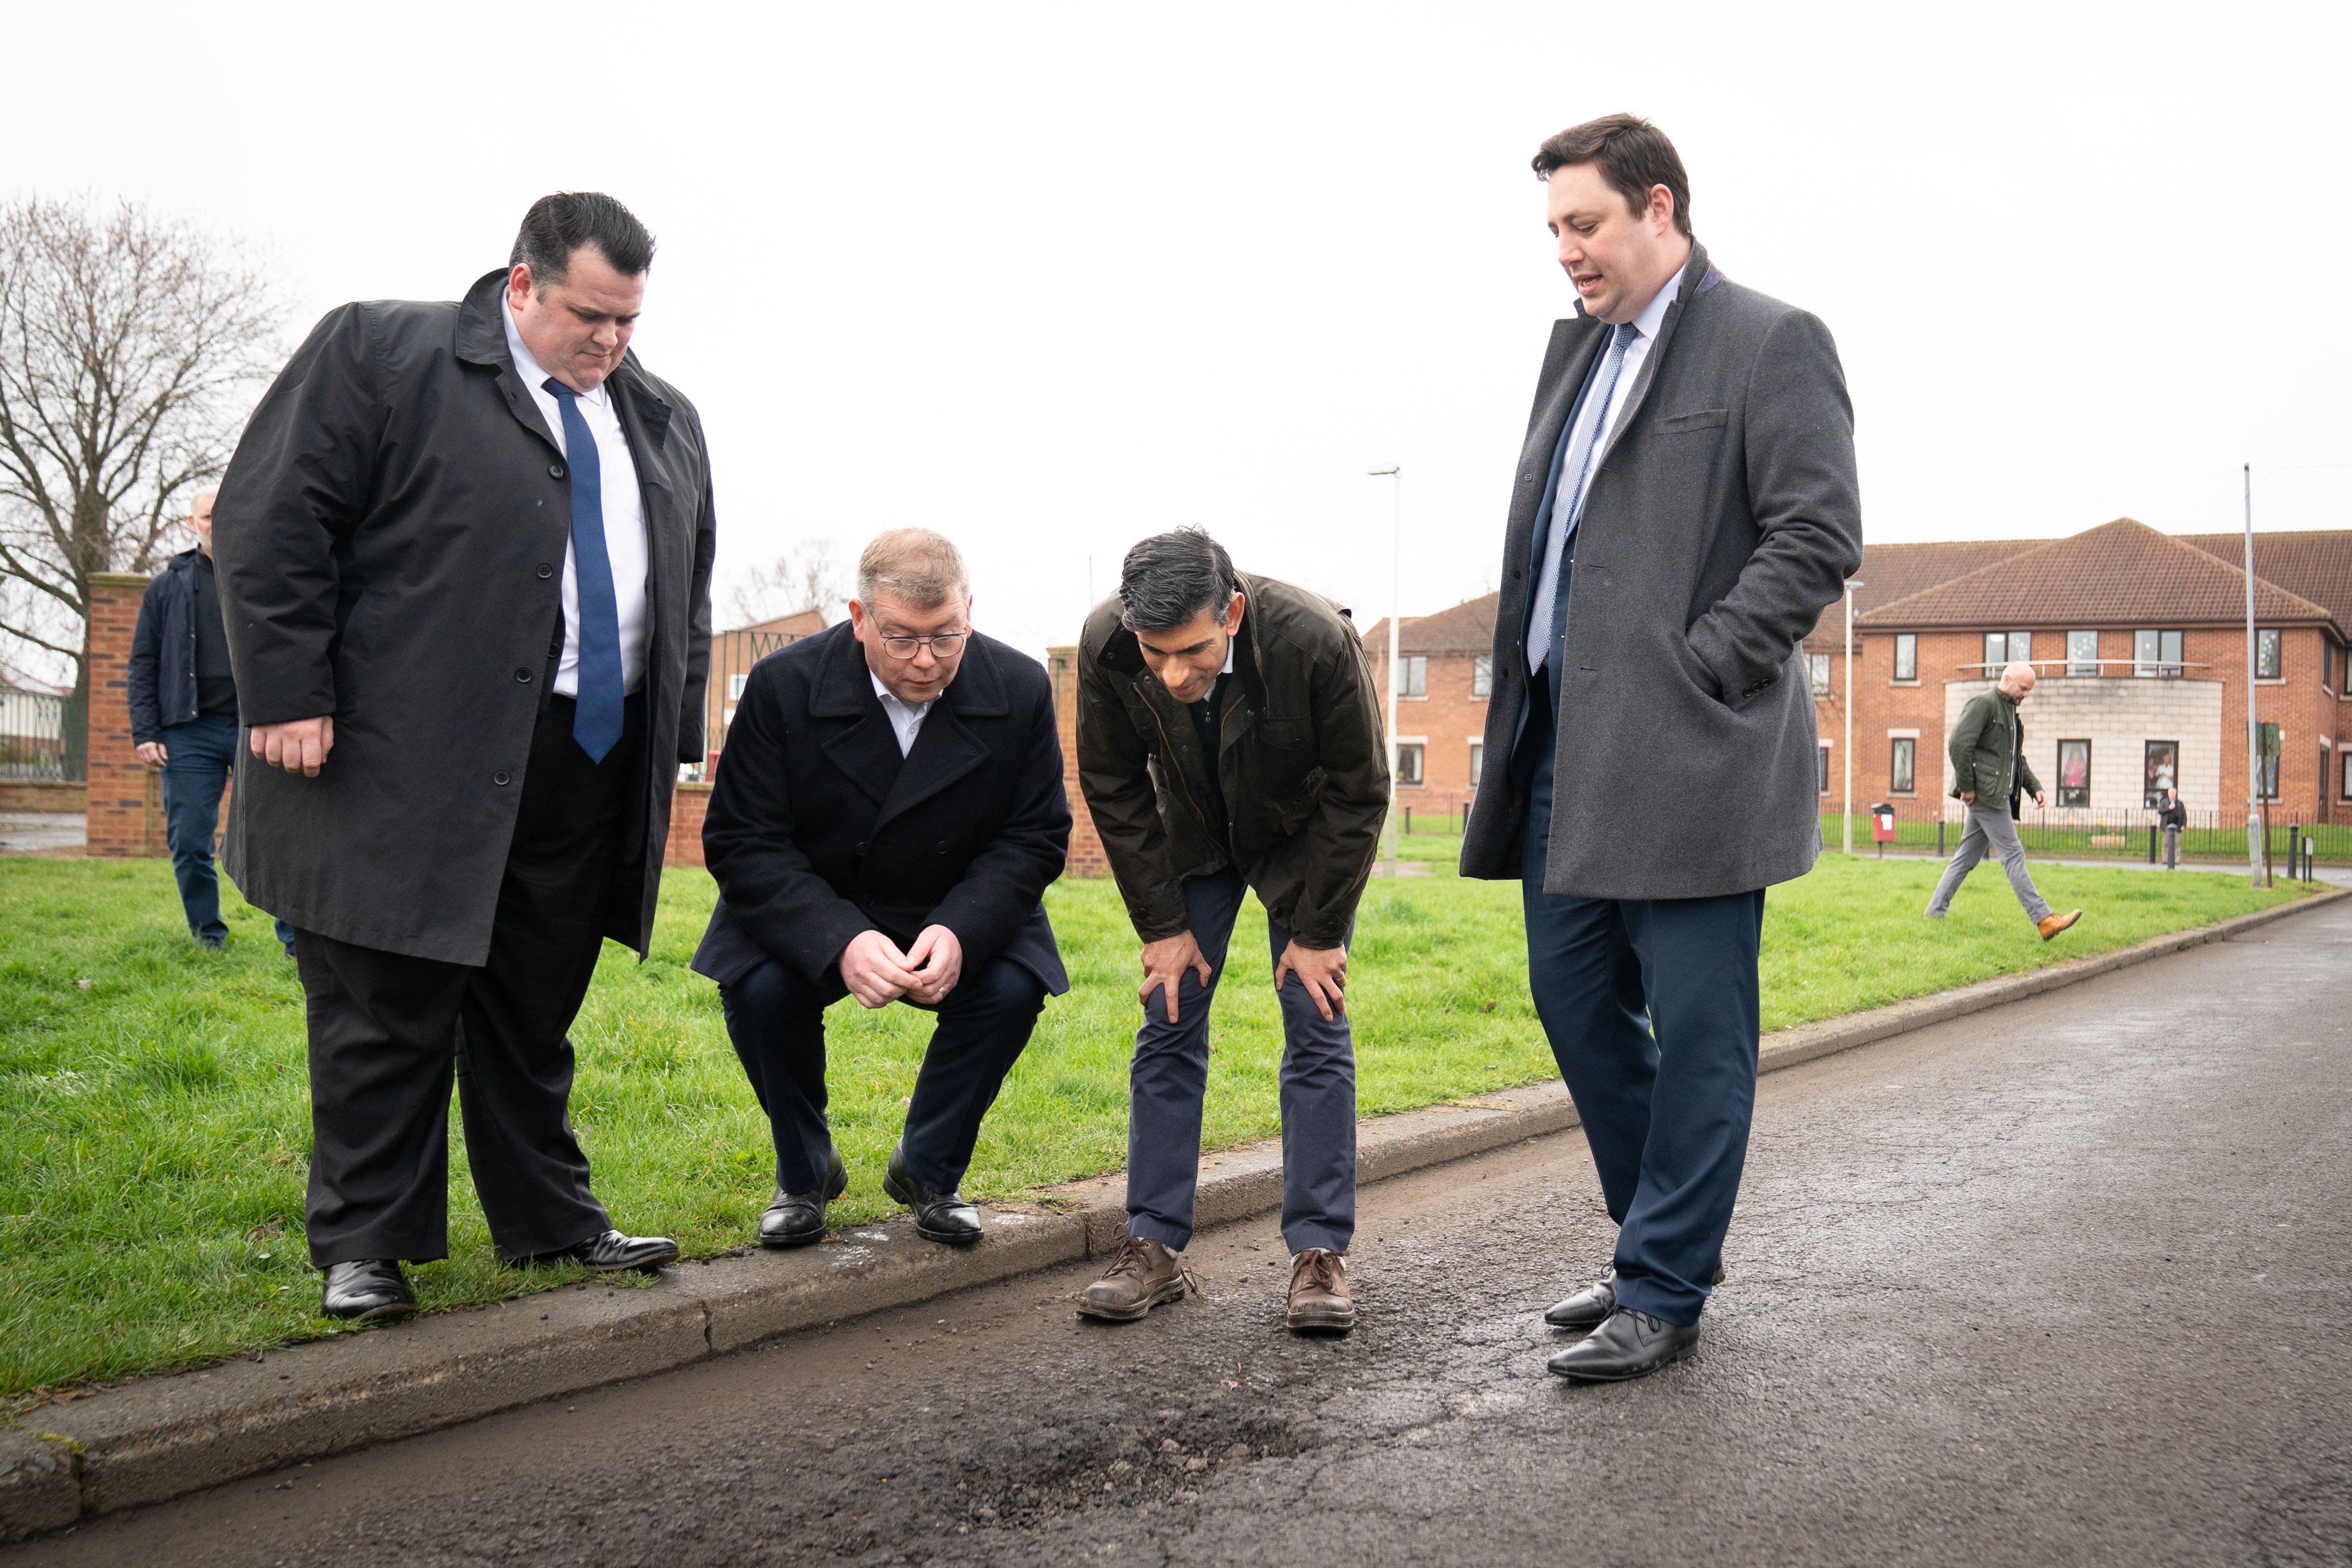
x,y
877,974
1322,970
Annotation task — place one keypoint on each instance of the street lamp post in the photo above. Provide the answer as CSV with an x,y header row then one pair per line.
x,y
2254,845
1847,704
1396,606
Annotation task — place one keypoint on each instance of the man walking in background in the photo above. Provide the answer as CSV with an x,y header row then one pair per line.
x,y
1228,741
888,812
1990,776
465,553
1686,506
182,700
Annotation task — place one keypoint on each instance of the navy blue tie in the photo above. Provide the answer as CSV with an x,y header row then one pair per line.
x,y
597,718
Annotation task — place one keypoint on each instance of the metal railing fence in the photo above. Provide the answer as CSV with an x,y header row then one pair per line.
x,y
33,736
2083,831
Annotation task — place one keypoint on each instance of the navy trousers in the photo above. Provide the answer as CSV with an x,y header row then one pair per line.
x,y
1171,1076
776,1020
1650,1009
199,756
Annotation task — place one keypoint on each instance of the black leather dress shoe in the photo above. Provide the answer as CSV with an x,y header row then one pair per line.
x,y
369,1290
797,1218
613,1253
938,1215
1629,1344
1591,1307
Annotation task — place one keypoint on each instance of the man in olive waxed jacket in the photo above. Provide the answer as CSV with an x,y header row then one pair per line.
x,y
1990,776
1229,740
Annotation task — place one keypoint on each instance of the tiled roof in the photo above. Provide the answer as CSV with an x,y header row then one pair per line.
x,y
2316,564
1894,572
2118,574
1467,628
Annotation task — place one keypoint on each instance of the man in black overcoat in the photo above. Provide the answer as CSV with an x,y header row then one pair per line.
x,y
465,561
888,814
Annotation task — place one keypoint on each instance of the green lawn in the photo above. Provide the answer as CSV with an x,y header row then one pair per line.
x,y
156,1125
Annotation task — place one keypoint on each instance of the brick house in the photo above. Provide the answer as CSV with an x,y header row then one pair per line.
x,y
732,655
1441,706
2139,639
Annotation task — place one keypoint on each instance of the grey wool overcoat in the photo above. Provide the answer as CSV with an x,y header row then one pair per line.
x,y
390,539
1722,517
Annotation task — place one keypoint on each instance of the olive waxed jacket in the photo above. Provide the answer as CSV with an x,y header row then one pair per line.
x,y
1301,758
1988,751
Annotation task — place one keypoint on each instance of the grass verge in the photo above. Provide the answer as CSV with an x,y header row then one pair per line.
x,y
156,1117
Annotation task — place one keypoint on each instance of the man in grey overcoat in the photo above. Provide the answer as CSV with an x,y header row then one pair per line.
x,y
465,553
1686,506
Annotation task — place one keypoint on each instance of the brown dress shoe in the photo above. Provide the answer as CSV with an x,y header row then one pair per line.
x,y
1320,1303
2049,925
1142,1274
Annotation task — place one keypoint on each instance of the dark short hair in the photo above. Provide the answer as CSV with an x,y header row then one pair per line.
x,y
1169,579
558,225
1634,155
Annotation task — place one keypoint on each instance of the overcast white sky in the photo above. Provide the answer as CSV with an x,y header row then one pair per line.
x,y
1051,278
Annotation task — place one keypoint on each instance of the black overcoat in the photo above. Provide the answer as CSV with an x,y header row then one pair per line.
x,y
818,829
390,540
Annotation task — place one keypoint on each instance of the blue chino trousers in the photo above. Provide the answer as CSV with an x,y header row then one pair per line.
x,y
1171,1076
1651,1008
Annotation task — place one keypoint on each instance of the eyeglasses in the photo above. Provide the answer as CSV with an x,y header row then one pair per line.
x,y
946,645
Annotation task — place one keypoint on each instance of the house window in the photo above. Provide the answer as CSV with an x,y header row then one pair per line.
x,y
2006,648
1416,677
1820,668
2326,664
2344,791
1903,767
2155,653
1482,674
2163,770
1477,760
2081,653
2073,772
1825,755
735,685
1409,763
1906,655
2270,661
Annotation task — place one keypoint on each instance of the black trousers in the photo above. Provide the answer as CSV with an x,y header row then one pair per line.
x,y
389,1032
776,1020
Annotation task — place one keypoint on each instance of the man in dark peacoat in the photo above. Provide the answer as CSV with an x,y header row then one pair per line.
x,y
432,583
1686,506
888,814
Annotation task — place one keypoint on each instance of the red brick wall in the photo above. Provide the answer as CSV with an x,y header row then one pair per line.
x,y
1086,844
1448,719
688,806
125,797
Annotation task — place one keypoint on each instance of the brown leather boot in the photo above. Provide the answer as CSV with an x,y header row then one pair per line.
x,y
1142,1274
1320,1303
2051,926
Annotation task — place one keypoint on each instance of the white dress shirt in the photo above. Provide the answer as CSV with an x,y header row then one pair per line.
x,y
906,719
624,518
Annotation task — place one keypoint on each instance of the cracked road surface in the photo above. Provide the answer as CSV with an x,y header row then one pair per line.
x,y
2067,1281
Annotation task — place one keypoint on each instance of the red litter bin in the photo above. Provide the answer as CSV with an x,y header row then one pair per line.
x,y
1881,825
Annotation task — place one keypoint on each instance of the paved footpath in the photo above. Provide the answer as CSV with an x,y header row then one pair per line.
x,y
2069,1281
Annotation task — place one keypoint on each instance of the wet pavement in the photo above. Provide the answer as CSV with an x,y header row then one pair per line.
x,y
2067,1281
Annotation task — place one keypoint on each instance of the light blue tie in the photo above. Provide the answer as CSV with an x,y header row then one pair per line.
x,y
597,718
1551,604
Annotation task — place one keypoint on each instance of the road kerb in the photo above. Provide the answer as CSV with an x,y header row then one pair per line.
x,y
165,1437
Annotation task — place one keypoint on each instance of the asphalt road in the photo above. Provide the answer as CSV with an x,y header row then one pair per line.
x,y
2069,1281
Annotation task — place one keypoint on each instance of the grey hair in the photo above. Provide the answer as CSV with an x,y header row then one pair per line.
x,y
919,569
1168,579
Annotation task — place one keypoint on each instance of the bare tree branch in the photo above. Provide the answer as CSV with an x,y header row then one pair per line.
x,y
130,346
808,576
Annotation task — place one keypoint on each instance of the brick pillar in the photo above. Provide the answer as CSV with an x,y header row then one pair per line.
x,y
125,795
688,806
1085,846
